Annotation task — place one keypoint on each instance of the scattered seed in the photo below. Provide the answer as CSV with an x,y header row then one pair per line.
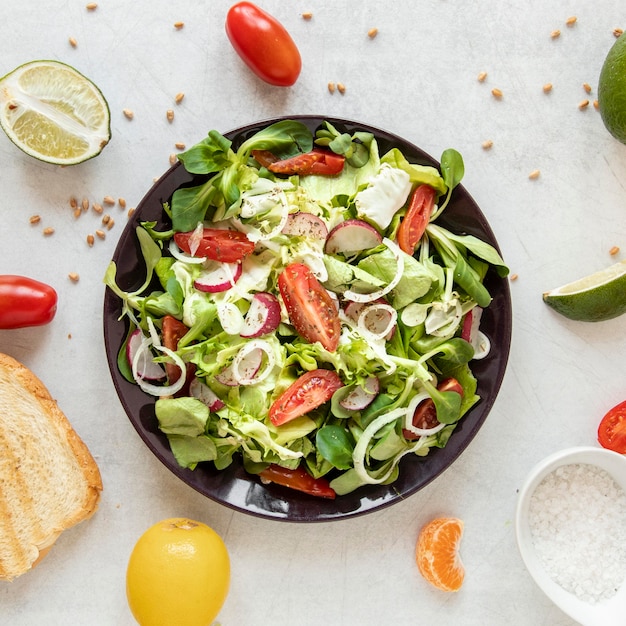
x,y
170,115
34,219
179,97
372,32
583,104
105,219
77,212
97,207
122,202
341,88
110,224
307,16
534,175
110,200
90,240
73,202
488,144
100,234
570,21
513,277
73,42
547,88
331,87
74,277
496,93
128,113
85,204
617,32
130,212
555,34
179,145
92,6
173,159
482,77
178,25
596,105
587,87
614,250
48,231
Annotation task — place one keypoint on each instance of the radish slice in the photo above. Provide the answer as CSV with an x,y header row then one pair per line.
x,y
262,317
245,368
471,333
375,295
303,224
218,277
147,369
361,396
230,317
352,236
201,391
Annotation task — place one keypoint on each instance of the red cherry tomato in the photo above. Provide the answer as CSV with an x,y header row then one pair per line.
x,y
298,479
173,331
612,429
320,162
311,390
25,302
310,308
227,246
425,415
263,44
414,223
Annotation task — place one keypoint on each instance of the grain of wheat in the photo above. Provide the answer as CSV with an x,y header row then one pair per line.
x,y
47,231
372,32
74,277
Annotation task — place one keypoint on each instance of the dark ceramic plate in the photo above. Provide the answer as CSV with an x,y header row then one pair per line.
x,y
235,488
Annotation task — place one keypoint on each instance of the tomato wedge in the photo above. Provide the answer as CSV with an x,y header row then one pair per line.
x,y
227,246
263,44
298,479
414,222
310,308
173,331
612,429
320,162
311,390
425,415
25,302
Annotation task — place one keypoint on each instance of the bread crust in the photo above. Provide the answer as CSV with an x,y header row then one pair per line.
x,y
33,427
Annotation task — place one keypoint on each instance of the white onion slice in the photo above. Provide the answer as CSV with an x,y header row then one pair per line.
x,y
158,390
410,411
375,327
230,317
259,374
179,255
195,238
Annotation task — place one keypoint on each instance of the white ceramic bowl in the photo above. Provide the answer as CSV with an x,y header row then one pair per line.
x,y
604,613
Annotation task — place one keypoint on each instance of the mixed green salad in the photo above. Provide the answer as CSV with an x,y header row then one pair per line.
x,y
311,317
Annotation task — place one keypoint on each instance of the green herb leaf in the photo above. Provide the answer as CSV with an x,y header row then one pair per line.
x,y
335,445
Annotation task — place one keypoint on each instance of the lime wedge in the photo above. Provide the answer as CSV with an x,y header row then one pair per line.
x,y
594,298
54,113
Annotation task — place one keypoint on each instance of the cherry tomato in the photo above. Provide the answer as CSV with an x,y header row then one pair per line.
x,y
298,479
310,308
414,222
173,331
612,429
263,44
311,390
227,246
425,415
320,162
25,302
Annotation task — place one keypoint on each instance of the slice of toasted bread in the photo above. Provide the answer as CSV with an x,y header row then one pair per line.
x,y
48,479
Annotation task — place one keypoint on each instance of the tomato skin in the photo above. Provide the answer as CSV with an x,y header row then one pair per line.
x,y
311,390
612,429
425,415
226,246
310,308
25,302
263,44
320,162
414,222
173,331
298,479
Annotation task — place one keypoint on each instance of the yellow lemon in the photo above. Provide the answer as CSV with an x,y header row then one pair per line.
x,y
178,574
54,113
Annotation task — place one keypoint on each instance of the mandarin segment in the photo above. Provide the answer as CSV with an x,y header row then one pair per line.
x,y
437,553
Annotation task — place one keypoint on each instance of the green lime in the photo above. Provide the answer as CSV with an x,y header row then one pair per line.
x,y
54,113
594,298
612,90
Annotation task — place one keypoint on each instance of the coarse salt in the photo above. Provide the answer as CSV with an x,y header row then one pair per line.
x,y
577,520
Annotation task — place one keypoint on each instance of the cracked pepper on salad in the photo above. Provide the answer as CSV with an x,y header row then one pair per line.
x,y
310,316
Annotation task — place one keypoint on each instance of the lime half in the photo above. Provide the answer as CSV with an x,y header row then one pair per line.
x,y
597,297
612,90
54,113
